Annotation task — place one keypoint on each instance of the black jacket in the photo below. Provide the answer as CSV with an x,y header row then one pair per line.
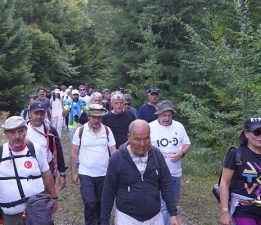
x,y
137,196
60,157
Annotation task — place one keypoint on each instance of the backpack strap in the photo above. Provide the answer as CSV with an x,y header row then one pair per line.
x,y
31,151
107,134
237,159
80,134
1,152
51,142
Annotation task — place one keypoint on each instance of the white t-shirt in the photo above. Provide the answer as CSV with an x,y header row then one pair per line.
x,y
93,152
57,107
34,136
26,166
169,139
85,98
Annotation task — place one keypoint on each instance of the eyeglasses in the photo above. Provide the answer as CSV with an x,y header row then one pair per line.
x,y
154,93
82,89
257,132
127,103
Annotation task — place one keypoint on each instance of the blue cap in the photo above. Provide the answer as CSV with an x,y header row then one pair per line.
x,y
37,106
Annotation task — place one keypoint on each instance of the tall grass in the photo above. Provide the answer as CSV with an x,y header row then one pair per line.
x,y
200,171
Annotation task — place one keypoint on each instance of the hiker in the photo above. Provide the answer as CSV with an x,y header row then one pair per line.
x,y
147,110
118,119
73,108
93,143
95,98
241,181
83,94
171,138
23,172
32,98
46,135
137,174
56,103
128,105
106,101
42,97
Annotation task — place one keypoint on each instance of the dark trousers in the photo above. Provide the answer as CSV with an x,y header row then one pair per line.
x,y
13,219
91,191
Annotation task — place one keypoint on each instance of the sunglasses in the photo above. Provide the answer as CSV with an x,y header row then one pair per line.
x,y
127,104
257,132
75,94
82,89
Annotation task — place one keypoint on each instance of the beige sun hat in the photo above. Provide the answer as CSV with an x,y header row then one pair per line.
x,y
97,110
164,106
14,122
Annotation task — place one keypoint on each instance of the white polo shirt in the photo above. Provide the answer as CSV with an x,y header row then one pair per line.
x,y
93,152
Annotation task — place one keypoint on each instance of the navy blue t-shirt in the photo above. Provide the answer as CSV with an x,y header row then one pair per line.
x,y
146,112
246,179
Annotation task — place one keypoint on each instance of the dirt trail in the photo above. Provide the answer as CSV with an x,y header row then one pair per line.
x,y
70,210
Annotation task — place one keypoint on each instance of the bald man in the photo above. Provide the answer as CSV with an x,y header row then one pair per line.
x,y
137,174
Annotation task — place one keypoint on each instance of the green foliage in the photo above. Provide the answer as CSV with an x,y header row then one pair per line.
x,y
204,55
15,59
232,77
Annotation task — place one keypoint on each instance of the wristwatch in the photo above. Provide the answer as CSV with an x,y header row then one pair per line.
x,y
223,210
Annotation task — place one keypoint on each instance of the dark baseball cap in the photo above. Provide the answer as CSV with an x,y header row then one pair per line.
x,y
154,90
253,123
37,106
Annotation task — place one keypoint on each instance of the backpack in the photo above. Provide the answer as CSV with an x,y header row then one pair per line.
x,y
216,187
107,133
25,111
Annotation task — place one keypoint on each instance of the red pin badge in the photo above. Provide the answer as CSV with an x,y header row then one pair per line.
x,y
28,164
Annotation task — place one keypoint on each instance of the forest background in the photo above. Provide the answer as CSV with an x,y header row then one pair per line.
x,y
203,54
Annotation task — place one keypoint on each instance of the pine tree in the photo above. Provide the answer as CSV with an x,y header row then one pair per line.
x,y
15,60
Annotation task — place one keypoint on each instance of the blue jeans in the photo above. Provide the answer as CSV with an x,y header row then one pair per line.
x,y
164,210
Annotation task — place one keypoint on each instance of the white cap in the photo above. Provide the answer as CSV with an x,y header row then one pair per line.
x,y
75,91
57,91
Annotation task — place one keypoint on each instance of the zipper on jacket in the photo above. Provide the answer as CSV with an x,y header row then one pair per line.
x,y
157,172
142,177
128,188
